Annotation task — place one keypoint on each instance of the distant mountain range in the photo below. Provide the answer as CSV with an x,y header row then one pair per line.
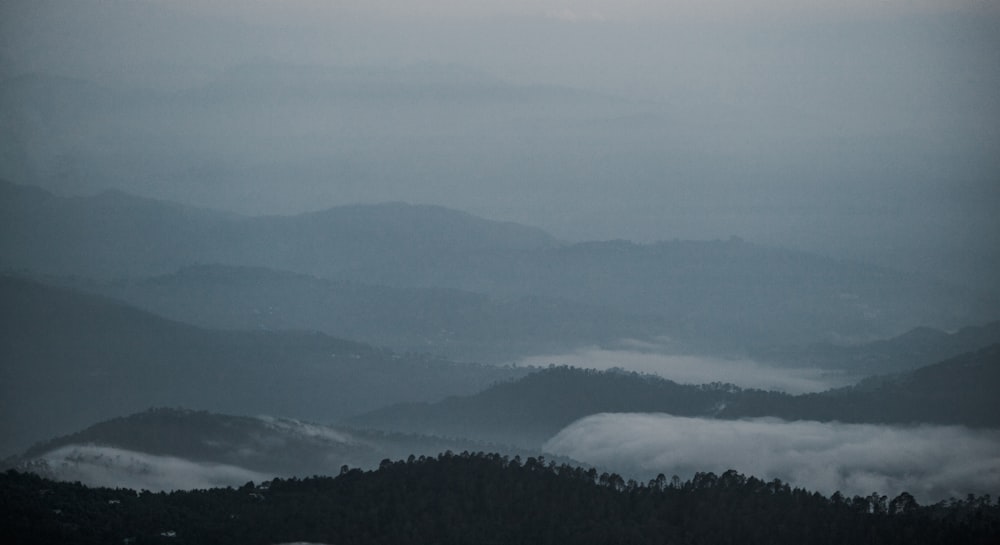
x,y
69,359
456,324
529,410
916,348
114,234
719,295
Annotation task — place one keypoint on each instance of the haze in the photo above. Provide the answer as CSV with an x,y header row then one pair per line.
x,y
403,228
854,129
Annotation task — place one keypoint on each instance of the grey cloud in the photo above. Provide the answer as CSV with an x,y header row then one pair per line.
x,y
870,137
931,462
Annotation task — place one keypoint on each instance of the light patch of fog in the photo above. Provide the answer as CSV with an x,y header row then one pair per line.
x,y
305,429
113,467
694,369
931,462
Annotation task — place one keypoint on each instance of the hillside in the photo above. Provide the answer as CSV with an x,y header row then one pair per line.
x,y
70,359
530,410
960,390
487,499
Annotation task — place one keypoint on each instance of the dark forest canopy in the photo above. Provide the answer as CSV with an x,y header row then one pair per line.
x,y
484,498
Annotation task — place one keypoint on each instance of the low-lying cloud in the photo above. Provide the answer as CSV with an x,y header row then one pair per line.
x,y
113,467
931,462
687,369
290,426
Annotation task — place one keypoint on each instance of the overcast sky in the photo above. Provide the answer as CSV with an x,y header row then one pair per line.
x,y
855,128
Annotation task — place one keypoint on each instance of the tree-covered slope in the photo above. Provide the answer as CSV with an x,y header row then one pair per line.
x,y
484,499
529,410
960,390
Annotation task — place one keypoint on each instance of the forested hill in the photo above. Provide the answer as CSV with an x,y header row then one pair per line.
x,y
528,411
960,390
483,499
70,359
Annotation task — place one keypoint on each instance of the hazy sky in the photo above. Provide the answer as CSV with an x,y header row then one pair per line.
x,y
855,128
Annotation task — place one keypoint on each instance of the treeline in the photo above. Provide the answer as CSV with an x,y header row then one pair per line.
x,y
484,499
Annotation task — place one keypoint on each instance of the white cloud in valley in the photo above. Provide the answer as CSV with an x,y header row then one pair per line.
x,y
693,369
931,462
114,467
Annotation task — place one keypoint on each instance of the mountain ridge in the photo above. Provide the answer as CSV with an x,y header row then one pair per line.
x,y
529,410
725,295
454,323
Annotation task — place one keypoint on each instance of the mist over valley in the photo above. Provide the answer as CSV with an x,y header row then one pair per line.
x,y
521,272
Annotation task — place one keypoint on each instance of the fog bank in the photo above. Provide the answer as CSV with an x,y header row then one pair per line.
x,y
931,462
112,467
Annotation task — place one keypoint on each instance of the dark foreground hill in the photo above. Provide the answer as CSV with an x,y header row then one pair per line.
x,y
483,499
69,359
530,410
